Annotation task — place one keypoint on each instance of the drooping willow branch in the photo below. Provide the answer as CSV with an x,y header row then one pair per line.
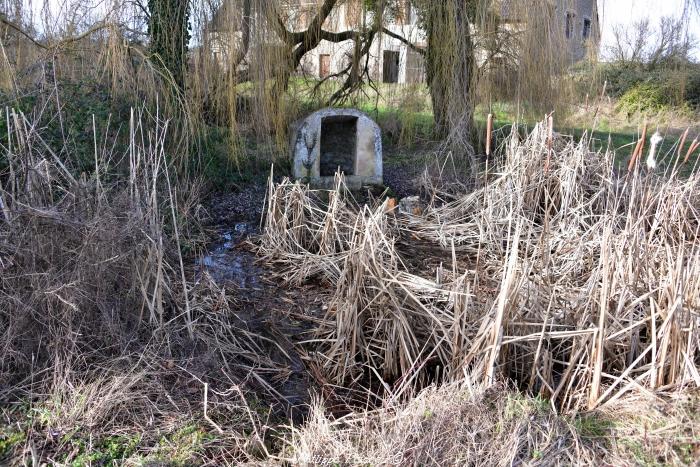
x,y
302,42
46,46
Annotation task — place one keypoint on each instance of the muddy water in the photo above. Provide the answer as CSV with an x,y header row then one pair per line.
x,y
230,262
227,262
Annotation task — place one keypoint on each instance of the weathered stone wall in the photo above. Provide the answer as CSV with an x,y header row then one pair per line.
x,y
358,152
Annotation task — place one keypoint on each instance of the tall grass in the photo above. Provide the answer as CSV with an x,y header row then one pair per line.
x,y
100,317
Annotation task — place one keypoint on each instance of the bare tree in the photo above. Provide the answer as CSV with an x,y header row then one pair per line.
x,y
642,43
673,43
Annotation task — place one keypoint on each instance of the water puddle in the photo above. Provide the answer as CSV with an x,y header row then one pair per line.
x,y
228,261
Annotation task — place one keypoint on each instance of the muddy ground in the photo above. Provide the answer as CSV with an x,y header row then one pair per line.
x,y
403,168
284,315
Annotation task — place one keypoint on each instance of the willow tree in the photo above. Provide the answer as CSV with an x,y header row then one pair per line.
x,y
168,28
266,45
450,67
449,56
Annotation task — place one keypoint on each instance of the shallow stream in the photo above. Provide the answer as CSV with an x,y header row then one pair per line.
x,y
231,262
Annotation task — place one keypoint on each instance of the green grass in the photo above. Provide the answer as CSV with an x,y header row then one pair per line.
x,y
112,450
10,439
519,405
593,426
82,448
183,446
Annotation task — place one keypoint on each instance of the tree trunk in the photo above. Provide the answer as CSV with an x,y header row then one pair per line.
x,y
450,66
168,28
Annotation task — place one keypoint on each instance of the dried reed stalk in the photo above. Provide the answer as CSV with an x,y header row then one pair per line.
x,y
569,261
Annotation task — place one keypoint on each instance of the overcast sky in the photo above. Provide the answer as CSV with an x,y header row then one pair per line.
x,y
625,12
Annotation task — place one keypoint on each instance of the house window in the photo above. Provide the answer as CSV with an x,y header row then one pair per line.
x,y
392,60
569,25
415,67
586,28
324,66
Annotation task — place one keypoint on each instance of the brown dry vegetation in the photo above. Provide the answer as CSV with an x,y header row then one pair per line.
x,y
104,333
577,283
557,279
539,308
464,424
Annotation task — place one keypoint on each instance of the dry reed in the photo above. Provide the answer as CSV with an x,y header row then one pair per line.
x,y
103,330
576,282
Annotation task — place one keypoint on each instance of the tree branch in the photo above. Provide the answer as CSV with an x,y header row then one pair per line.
x,y
402,39
19,29
92,30
245,25
339,36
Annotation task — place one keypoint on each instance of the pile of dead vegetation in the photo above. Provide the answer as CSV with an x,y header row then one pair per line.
x,y
463,423
576,281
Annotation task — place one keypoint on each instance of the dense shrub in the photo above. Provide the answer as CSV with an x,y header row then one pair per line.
x,y
692,88
644,97
79,101
643,88
640,87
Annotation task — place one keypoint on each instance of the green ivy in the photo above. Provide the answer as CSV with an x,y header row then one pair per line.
x,y
169,30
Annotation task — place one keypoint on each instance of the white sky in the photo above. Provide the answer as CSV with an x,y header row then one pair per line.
x,y
612,13
627,12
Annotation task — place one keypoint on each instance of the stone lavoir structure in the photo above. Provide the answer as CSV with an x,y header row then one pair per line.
x,y
331,140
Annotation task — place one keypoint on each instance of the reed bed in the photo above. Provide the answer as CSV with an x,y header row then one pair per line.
x,y
102,328
576,280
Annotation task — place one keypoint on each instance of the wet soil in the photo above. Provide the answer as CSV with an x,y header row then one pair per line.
x,y
404,167
284,316
228,261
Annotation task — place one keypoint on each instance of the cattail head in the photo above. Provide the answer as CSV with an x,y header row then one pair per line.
x,y
656,139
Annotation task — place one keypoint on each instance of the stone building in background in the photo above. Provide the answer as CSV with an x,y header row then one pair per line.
x,y
576,22
391,60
